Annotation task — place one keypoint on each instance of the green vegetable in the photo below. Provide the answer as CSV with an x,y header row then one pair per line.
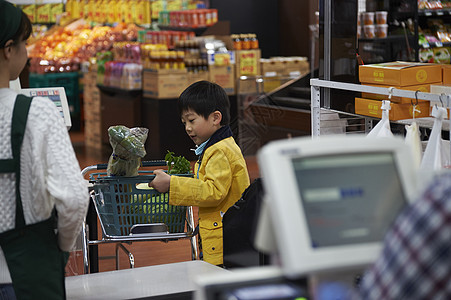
x,y
155,208
177,164
128,149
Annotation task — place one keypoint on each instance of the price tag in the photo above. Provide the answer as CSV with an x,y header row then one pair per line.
x,y
428,14
271,74
295,73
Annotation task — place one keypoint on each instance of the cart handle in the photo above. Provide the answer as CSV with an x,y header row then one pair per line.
x,y
150,163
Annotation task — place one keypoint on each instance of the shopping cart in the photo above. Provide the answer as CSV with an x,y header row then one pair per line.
x,y
129,211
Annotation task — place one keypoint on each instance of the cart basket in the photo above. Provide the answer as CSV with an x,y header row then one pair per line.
x,y
122,202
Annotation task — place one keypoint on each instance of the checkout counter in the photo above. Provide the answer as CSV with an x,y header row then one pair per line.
x,y
328,203
168,281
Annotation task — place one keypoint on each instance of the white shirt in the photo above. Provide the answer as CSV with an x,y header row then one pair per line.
x,y
50,173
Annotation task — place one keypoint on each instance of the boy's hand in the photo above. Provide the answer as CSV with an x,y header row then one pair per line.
x,y
161,181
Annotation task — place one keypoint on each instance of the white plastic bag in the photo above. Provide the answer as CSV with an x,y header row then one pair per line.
x,y
437,153
413,140
382,129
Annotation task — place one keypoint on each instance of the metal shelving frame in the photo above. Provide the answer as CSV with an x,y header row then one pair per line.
x,y
316,85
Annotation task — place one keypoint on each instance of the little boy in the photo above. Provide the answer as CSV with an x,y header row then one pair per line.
x,y
221,173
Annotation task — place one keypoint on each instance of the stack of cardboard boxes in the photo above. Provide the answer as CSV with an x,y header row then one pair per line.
x,y
92,107
164,84
225,68
400,75
277,70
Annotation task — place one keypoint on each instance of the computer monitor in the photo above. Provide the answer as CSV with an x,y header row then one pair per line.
x,y
331,199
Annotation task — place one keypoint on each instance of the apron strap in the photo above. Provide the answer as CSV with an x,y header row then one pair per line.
x,y
18,125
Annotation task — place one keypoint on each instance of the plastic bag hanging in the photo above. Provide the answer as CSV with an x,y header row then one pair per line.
x,y
412,138
382,129
437,153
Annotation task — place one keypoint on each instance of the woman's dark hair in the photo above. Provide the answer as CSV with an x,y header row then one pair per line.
x,y
205,97
24,30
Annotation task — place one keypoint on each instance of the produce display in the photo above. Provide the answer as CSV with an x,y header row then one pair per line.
x,y
64,48
128,149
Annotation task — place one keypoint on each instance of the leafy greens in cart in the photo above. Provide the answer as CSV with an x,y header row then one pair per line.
x,y
177,164
155,208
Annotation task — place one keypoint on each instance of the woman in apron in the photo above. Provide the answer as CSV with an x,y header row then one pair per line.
x,y
41,188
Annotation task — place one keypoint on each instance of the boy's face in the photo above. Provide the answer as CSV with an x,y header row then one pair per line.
x,y
198,128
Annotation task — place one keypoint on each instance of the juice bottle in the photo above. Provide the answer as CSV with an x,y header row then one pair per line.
x,y
173,59
254,41
245,41
166,60
181,60
155,60
236,42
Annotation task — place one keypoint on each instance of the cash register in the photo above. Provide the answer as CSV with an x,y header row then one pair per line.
x,y
56,94
328,203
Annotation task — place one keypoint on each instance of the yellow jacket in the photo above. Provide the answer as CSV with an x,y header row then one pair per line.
x,y
220,178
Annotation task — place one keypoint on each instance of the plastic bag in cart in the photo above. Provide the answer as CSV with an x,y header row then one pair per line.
x,y
128,149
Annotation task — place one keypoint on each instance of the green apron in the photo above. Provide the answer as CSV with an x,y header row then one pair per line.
x,y
35,262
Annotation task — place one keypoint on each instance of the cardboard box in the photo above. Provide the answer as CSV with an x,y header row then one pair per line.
x,y
296,67
271,68
285,66
400,73
248,62
223,76
195,77
398,111
420,87
164,84
446,74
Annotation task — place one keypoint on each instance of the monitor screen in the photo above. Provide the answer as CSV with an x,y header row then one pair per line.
x,y
348,198
330,201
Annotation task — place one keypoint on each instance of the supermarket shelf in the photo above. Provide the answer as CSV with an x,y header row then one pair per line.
x,y
197,30
436,45
115,90
390,38
434,12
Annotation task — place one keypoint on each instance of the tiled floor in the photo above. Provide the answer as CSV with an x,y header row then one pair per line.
x,y
146,253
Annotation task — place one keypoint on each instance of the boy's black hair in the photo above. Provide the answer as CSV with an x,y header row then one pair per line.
x,y
24,30
204,97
